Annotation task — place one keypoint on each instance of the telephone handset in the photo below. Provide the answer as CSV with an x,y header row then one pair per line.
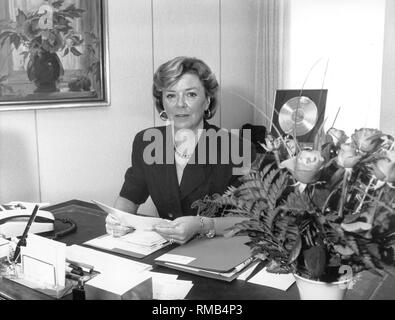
x,y
14,218
13,221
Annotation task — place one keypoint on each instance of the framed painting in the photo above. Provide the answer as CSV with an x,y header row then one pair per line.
x,y
53,54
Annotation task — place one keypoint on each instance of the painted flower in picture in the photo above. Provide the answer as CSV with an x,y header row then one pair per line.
x,y
50,28
41,35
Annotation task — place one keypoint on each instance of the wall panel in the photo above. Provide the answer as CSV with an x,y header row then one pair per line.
x,y
238,47
19,178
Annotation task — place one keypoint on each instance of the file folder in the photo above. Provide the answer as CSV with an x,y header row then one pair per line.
x,y
218,258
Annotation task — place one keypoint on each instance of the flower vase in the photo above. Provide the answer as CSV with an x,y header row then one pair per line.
x,y
317,290
44,69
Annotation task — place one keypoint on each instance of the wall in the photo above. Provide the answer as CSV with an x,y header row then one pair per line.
x,y
82,153
387,119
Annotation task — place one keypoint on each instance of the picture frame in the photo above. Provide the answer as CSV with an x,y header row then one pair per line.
x,y
53,54
299,113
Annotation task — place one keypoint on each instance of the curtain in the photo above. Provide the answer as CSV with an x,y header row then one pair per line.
x,y
272,56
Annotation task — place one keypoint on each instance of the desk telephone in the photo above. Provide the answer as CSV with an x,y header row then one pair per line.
x,y
13,220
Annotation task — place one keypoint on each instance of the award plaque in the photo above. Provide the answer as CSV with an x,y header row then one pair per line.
x,y
299,113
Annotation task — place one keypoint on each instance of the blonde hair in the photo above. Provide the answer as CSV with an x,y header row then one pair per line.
x,y
170,73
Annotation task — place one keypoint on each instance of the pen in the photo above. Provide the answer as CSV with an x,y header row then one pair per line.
x,y
22,241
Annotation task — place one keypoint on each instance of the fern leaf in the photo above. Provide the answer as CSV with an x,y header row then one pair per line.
x,y
266,169
278,188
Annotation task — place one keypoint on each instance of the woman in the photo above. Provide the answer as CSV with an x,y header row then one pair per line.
x,y
178,164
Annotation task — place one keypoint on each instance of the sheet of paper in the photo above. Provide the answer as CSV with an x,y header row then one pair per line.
x,y
105,263
131,220
274,280
48,252
167,287
175,258
118,283
248,271
171,290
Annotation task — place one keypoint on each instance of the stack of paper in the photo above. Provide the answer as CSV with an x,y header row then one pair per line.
x,y
147,239
138,243
168,287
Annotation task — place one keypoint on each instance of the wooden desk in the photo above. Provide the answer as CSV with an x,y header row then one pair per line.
x,y
91,223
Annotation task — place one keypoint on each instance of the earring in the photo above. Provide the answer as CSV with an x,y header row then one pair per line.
x,y
207,114
163,115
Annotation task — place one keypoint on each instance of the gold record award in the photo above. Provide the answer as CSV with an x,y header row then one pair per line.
x,y
298,116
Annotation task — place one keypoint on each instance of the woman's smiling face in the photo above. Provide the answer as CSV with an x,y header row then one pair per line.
x,y
185,102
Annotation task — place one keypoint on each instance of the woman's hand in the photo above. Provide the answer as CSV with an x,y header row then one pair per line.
x,y
181,230
115,228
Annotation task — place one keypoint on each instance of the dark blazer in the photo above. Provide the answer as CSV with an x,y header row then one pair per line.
x,y
158,177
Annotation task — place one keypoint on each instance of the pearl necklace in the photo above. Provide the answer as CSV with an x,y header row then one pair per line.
x,y
181,154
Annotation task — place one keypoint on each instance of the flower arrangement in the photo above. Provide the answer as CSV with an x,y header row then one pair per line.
x,y
48,29
318,211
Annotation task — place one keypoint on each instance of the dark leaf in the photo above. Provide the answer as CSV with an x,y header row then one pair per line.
x,y
15,40
298,202
57,4
4,36
295,250
373,249
75,52
320,196
315,260
66,52
21,17
336,177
